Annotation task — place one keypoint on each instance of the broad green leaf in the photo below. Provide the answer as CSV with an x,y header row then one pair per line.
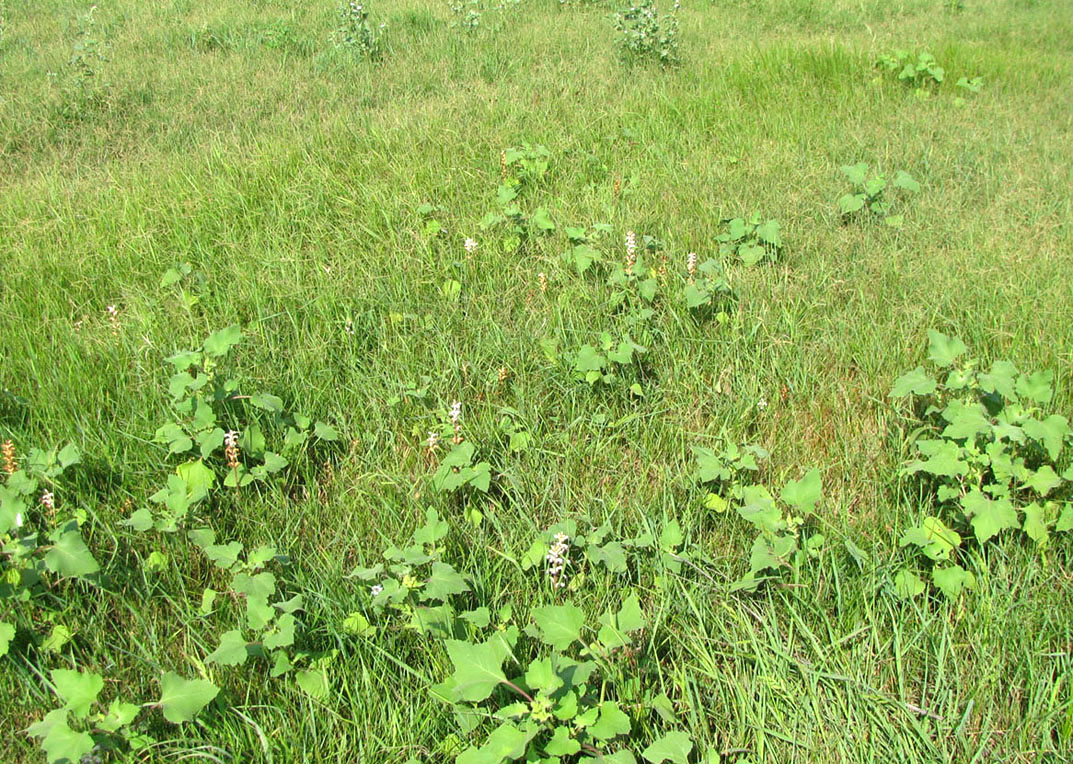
x,y
256,558
769,232
219,343
325,432
1000,380
184,360
57,639
541,675
989,516
942,350
588,359
902,179
1036,387
119,715
70,556
737,229
1051,432
480,617
508,741
7,633
560,625
944,459
68,455
630,617
710,466
873,187
618,757
907,585
674,746
1036,526
358,625
611,723
751,254
542,220
313,682
804,493
671,536
953,580
268,402
695,297
232,650
78,690
478,668
1044,480
715,502
966,422
433,530
281,664
443,582
182,699
850,203
561,743
770,553
197,478
857,173
1065,520
935,540
917,381
611,554
140,520
63,744
759,509
224,555
283,633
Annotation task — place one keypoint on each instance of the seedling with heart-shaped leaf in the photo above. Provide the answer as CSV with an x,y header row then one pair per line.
x,y
41,544
985,446
750,240
871,195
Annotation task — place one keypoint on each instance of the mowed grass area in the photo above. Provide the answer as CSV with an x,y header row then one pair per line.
x,y
236,138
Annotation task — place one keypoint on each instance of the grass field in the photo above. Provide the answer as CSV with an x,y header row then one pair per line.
x,y
320,201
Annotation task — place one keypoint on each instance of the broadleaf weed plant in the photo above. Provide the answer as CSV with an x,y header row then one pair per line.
x,y
920,73
80,82
357,33
987,453
750,240
871,195
645,35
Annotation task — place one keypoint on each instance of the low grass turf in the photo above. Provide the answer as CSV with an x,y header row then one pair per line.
x,y
288,173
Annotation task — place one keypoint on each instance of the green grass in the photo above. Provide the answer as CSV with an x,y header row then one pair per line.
x,y
233,136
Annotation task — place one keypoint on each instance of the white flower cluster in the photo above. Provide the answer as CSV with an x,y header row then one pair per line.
x,y
48,500
471,246
691,265
556,559
631,250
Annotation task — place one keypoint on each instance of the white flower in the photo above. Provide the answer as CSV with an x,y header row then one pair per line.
x,y
376,589
48,500
456,412
113,311
433,439
471,246
231,439
762,403
556,558
691,264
